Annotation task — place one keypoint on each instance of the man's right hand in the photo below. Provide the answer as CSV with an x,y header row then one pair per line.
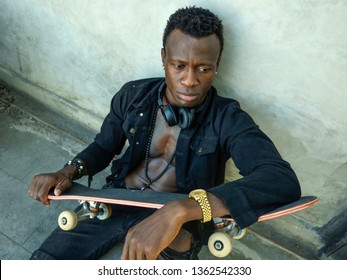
x,y
43,183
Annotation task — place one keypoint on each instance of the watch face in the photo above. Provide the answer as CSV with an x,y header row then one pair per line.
x,y
198,192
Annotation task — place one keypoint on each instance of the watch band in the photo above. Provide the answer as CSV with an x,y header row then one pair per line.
x,y
200,196
79,166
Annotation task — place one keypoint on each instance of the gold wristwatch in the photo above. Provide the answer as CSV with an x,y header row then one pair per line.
x,y
200,196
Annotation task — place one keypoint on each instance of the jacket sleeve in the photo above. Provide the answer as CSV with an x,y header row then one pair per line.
x,y
110,140
268,180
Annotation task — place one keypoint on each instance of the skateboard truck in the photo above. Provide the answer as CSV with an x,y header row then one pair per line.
x,y
220,242
68,220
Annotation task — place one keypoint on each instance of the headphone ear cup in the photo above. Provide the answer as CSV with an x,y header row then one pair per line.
x,y
185,117
169,115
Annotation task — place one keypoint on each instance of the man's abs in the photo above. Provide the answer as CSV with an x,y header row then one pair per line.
x,y
166,183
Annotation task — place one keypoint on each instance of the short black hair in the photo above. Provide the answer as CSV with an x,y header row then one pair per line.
x,y
196,22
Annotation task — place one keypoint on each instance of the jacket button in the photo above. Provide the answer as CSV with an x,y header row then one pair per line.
x,y
132,130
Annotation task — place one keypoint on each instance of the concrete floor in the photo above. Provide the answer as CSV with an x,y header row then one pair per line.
x,y
34,140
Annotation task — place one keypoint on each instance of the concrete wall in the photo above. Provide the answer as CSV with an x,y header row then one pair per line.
x,y
285,61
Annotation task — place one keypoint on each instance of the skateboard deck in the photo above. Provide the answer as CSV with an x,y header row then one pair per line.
x,y
150,199
129,197
95,203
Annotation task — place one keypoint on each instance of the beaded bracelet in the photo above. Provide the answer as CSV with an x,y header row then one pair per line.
x,y
79,166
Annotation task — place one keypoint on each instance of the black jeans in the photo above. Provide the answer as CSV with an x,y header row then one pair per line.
x,y
92,238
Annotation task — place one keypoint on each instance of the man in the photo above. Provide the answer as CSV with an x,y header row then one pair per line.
x,y
180,134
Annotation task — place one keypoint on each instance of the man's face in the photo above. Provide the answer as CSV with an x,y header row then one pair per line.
x,y
190,65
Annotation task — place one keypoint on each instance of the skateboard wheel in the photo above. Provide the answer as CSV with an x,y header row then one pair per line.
x,y
220,244
67,220
106,211
240,234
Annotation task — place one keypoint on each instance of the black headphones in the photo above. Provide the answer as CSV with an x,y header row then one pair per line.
x,y
184,117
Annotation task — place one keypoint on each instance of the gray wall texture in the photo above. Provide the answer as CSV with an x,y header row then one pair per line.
x,y
285,61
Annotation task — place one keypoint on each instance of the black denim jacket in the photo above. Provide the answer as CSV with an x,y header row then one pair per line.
x,y
222,130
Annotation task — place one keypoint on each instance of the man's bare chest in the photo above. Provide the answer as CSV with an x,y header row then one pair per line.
x,y
164,138
157,170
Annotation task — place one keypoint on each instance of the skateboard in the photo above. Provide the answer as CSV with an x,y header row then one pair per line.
x,y
96,204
